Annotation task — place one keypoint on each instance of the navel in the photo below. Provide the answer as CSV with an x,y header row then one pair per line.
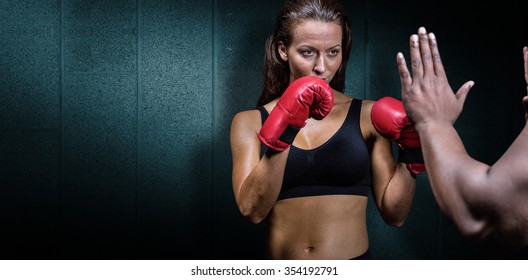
x,y
308,249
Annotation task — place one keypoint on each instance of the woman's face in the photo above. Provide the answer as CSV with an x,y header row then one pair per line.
x,y
315,50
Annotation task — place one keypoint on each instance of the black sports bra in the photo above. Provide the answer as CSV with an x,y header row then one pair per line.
x,y
340,166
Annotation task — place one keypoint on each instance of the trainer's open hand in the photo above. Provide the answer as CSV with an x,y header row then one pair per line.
x,y
427,95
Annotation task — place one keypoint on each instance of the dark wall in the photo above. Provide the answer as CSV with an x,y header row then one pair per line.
x,y
115,116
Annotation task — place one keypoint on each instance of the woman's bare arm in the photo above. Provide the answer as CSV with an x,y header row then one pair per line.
x,y
256,181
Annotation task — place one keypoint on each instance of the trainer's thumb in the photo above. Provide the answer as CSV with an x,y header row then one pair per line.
x,y
463,91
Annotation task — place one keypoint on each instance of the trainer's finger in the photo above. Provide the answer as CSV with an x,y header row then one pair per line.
x,y
437,61
416,58
425,50
405,76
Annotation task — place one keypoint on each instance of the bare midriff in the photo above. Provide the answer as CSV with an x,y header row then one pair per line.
x,y
318,227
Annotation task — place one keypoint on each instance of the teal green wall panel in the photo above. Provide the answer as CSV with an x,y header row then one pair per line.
x,y
174,196
99,35
176,65
29,64
99,165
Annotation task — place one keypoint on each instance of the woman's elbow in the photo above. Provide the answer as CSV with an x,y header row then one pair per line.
x,y
394,217
255,219
252,214
394,220
398,223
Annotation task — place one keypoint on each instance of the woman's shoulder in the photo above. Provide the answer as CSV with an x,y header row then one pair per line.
x,y
367,104
246,115
246,120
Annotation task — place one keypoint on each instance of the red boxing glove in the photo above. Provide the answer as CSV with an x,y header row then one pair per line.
x,y
390,120
306,97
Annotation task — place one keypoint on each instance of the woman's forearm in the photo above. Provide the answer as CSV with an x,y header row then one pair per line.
x,y
259,191
398,197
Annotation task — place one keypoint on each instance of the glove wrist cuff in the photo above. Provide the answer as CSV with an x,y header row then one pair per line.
x,y
411,156
289,134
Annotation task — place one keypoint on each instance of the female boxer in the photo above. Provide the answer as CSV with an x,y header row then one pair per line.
x,y
305,160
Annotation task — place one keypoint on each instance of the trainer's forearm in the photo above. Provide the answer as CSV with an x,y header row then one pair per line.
x,y
455,177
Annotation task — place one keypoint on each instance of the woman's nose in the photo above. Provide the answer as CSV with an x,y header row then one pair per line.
x,y
319,66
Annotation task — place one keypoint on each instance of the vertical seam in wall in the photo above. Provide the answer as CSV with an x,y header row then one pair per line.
x,y
138,124
213,120
61,126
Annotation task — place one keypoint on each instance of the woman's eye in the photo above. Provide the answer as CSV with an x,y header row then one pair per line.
x,y
307,52
334,52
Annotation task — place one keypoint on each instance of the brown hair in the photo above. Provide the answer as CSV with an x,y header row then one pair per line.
x,y
276,71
